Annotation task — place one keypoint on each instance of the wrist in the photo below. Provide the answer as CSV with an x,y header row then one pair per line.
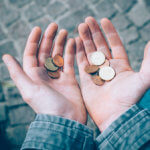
x,y
106,123
68,112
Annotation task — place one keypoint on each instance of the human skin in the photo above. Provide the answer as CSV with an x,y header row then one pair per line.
x,y
61,97
107,102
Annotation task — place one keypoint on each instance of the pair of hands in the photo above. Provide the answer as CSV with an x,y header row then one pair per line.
x,y
63,96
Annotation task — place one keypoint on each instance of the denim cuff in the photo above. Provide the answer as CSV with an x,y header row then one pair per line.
x,y
130,131
54,132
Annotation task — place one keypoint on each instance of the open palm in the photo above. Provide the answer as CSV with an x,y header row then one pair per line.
x,y
107,102
45,95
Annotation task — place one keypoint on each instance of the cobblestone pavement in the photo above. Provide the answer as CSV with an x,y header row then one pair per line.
x,y
17,17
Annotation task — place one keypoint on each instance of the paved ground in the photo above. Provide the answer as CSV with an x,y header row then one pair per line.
x,y
17,17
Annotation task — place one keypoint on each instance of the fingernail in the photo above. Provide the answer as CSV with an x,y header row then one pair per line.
x,y
148,46
6,60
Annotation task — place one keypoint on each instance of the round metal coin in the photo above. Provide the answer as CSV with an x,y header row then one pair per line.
x,y
58,60
97,58
106,73
49,65
97,80
91,68
54,75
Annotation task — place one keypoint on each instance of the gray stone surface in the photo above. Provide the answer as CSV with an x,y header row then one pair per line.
x,y
42,2
11,92
139,14
18,17
2,34
145,32
71,21
12,95
21,44
20,115
19,29
74,5
7,47
105,8
20,3
92,1
4,74
120,21
33,12
16,135
8,15
42,22
125,5
2,112
136,52
129,35
56,8
1,93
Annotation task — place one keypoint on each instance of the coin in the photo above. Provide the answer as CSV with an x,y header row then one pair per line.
x,y
54,75
97,80
97,58
91,68
49,64
58,60
106,63
106,73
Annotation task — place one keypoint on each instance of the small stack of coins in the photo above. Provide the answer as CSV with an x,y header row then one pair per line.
x,y
53,65
100,69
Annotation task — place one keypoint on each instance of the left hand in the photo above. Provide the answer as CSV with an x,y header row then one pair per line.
x,y
61,96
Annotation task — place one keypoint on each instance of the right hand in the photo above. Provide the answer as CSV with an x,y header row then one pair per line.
x,y
61,96
107,102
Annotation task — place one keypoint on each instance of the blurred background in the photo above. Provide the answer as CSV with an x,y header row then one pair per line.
x,y
17,17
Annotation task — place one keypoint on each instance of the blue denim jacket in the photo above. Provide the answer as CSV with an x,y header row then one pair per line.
x,y
129,131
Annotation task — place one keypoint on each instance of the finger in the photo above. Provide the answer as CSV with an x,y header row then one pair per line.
x,y
146,60
118,50
82,62
22,81
98,37
80,55
46,43
69,56
30,53
85,35
145,69
60,43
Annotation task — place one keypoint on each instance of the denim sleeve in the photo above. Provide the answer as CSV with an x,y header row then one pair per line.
x,y
129,131
53,132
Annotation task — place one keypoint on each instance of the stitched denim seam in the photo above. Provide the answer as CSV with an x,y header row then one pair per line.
x,y
136,141
85,132
107,141
68,126
27,141
58,121
62,134
139,120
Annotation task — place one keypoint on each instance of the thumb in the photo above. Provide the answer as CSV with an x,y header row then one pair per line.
x,y
22,81
145,68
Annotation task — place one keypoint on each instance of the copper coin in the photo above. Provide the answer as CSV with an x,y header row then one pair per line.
x,y
106,63
58,60
91,68
97,80
49,65
54,75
